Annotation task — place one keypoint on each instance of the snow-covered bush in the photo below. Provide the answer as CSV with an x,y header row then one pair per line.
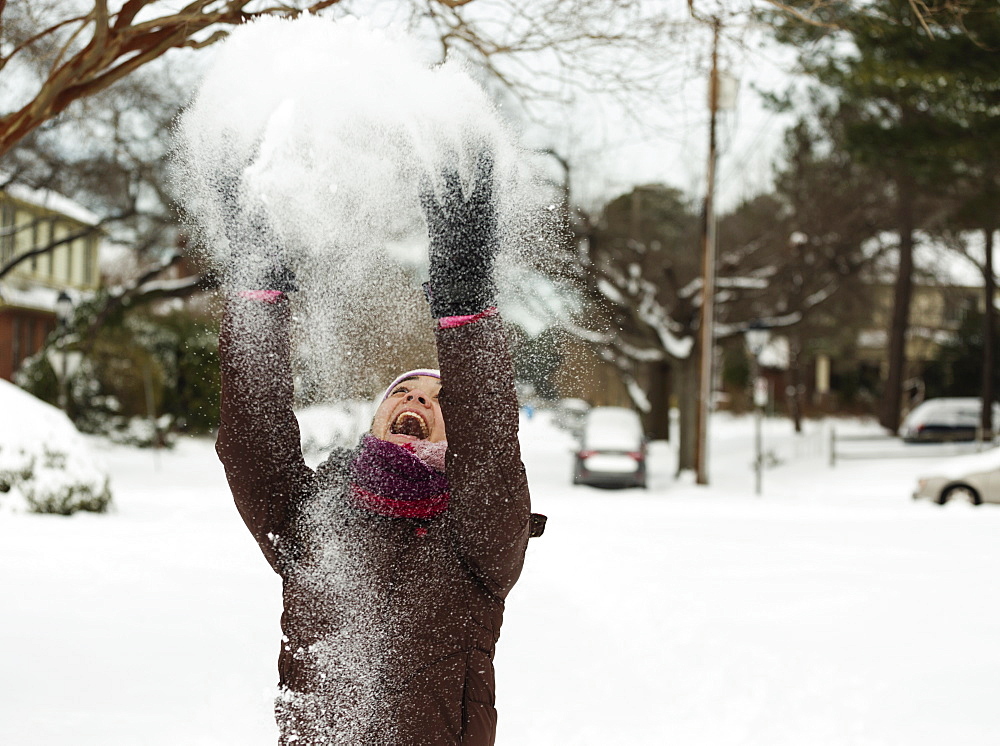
x,y
45,464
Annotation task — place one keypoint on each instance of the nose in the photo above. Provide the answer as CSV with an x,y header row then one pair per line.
x,y
418,396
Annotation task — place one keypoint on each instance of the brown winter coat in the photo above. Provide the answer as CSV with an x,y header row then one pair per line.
x,y
390,624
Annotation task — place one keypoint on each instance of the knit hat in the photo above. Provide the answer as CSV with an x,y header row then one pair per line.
x,y
429,372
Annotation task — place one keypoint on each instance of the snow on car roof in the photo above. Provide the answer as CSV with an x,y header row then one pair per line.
x,y
947,409
613,428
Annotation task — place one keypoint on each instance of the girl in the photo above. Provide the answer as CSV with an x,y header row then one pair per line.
x,y
396,556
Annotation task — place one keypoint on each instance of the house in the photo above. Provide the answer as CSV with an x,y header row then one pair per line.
x,y
842,362
31,283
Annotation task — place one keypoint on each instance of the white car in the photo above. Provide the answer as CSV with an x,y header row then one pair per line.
x,y
974,478
612,449
945,419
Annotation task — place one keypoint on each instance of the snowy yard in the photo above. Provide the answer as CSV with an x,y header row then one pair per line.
x,y
833,610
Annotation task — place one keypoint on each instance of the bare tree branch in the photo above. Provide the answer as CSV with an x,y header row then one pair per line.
x,y
808,16
118,47
143,290
16,261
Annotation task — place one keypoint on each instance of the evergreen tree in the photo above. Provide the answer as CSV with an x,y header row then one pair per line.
x,y
956,369
899,76
970,105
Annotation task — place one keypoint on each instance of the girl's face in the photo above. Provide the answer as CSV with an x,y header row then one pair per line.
x,y
411,412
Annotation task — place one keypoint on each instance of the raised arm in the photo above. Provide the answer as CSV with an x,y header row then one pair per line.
x,y
258,440
490,506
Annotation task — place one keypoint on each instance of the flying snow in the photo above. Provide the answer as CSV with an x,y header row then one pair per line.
x,y
307,146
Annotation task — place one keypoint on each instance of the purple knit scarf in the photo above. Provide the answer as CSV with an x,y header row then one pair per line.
x,y
392,481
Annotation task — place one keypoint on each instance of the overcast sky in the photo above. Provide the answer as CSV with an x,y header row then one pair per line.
x,y
612,151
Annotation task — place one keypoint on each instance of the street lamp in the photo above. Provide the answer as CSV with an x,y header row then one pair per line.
x,y
64,310
757,335
64,307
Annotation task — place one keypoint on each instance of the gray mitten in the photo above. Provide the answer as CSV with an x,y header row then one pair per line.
x,y
252,239
463,242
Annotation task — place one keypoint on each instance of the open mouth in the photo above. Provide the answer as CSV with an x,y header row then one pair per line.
x,y
410,423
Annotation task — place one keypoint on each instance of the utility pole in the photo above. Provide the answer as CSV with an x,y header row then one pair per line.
x,y
707,331
989,427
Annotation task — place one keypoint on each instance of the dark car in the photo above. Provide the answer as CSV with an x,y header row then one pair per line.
x,y
945,419
612,449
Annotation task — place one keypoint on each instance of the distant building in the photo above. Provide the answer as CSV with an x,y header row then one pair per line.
x,y
853,360
31,219
936,313
841,367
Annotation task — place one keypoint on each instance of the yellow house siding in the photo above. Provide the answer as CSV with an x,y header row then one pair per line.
x,y
7,235
30,220
26,227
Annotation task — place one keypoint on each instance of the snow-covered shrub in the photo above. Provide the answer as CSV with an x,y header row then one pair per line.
x,y
45,464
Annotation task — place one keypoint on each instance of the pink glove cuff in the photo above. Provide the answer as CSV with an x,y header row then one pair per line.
x,y
451,322
263,296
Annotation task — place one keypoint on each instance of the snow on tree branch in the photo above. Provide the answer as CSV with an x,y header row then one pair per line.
x,y
145,288
638,296
635,392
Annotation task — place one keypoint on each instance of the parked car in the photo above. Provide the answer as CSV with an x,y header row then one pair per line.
x,y
975,478
945,419
612,449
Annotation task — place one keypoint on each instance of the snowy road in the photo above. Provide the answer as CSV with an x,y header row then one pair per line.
x,y
831,611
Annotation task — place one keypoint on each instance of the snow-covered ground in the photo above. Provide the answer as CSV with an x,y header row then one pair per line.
x,y
832,610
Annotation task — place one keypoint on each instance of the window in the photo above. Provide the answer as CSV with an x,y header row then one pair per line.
x,y
16,342
69,250
50,236
956,308
22,235
50,256
7,232
36,237
89,251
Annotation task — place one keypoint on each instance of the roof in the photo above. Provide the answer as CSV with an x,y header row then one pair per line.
x,y
54,201
35,297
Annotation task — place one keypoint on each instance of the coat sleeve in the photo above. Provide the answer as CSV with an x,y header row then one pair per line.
x,y
490,507
258,441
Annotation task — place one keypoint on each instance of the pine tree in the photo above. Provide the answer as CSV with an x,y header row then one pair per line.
x,y
910,102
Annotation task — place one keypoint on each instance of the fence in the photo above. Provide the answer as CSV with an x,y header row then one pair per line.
x,y
856,447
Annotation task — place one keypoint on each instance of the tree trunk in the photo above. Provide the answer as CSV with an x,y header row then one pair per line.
x,y
794,391
687,403
902,294
989,337
660,388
